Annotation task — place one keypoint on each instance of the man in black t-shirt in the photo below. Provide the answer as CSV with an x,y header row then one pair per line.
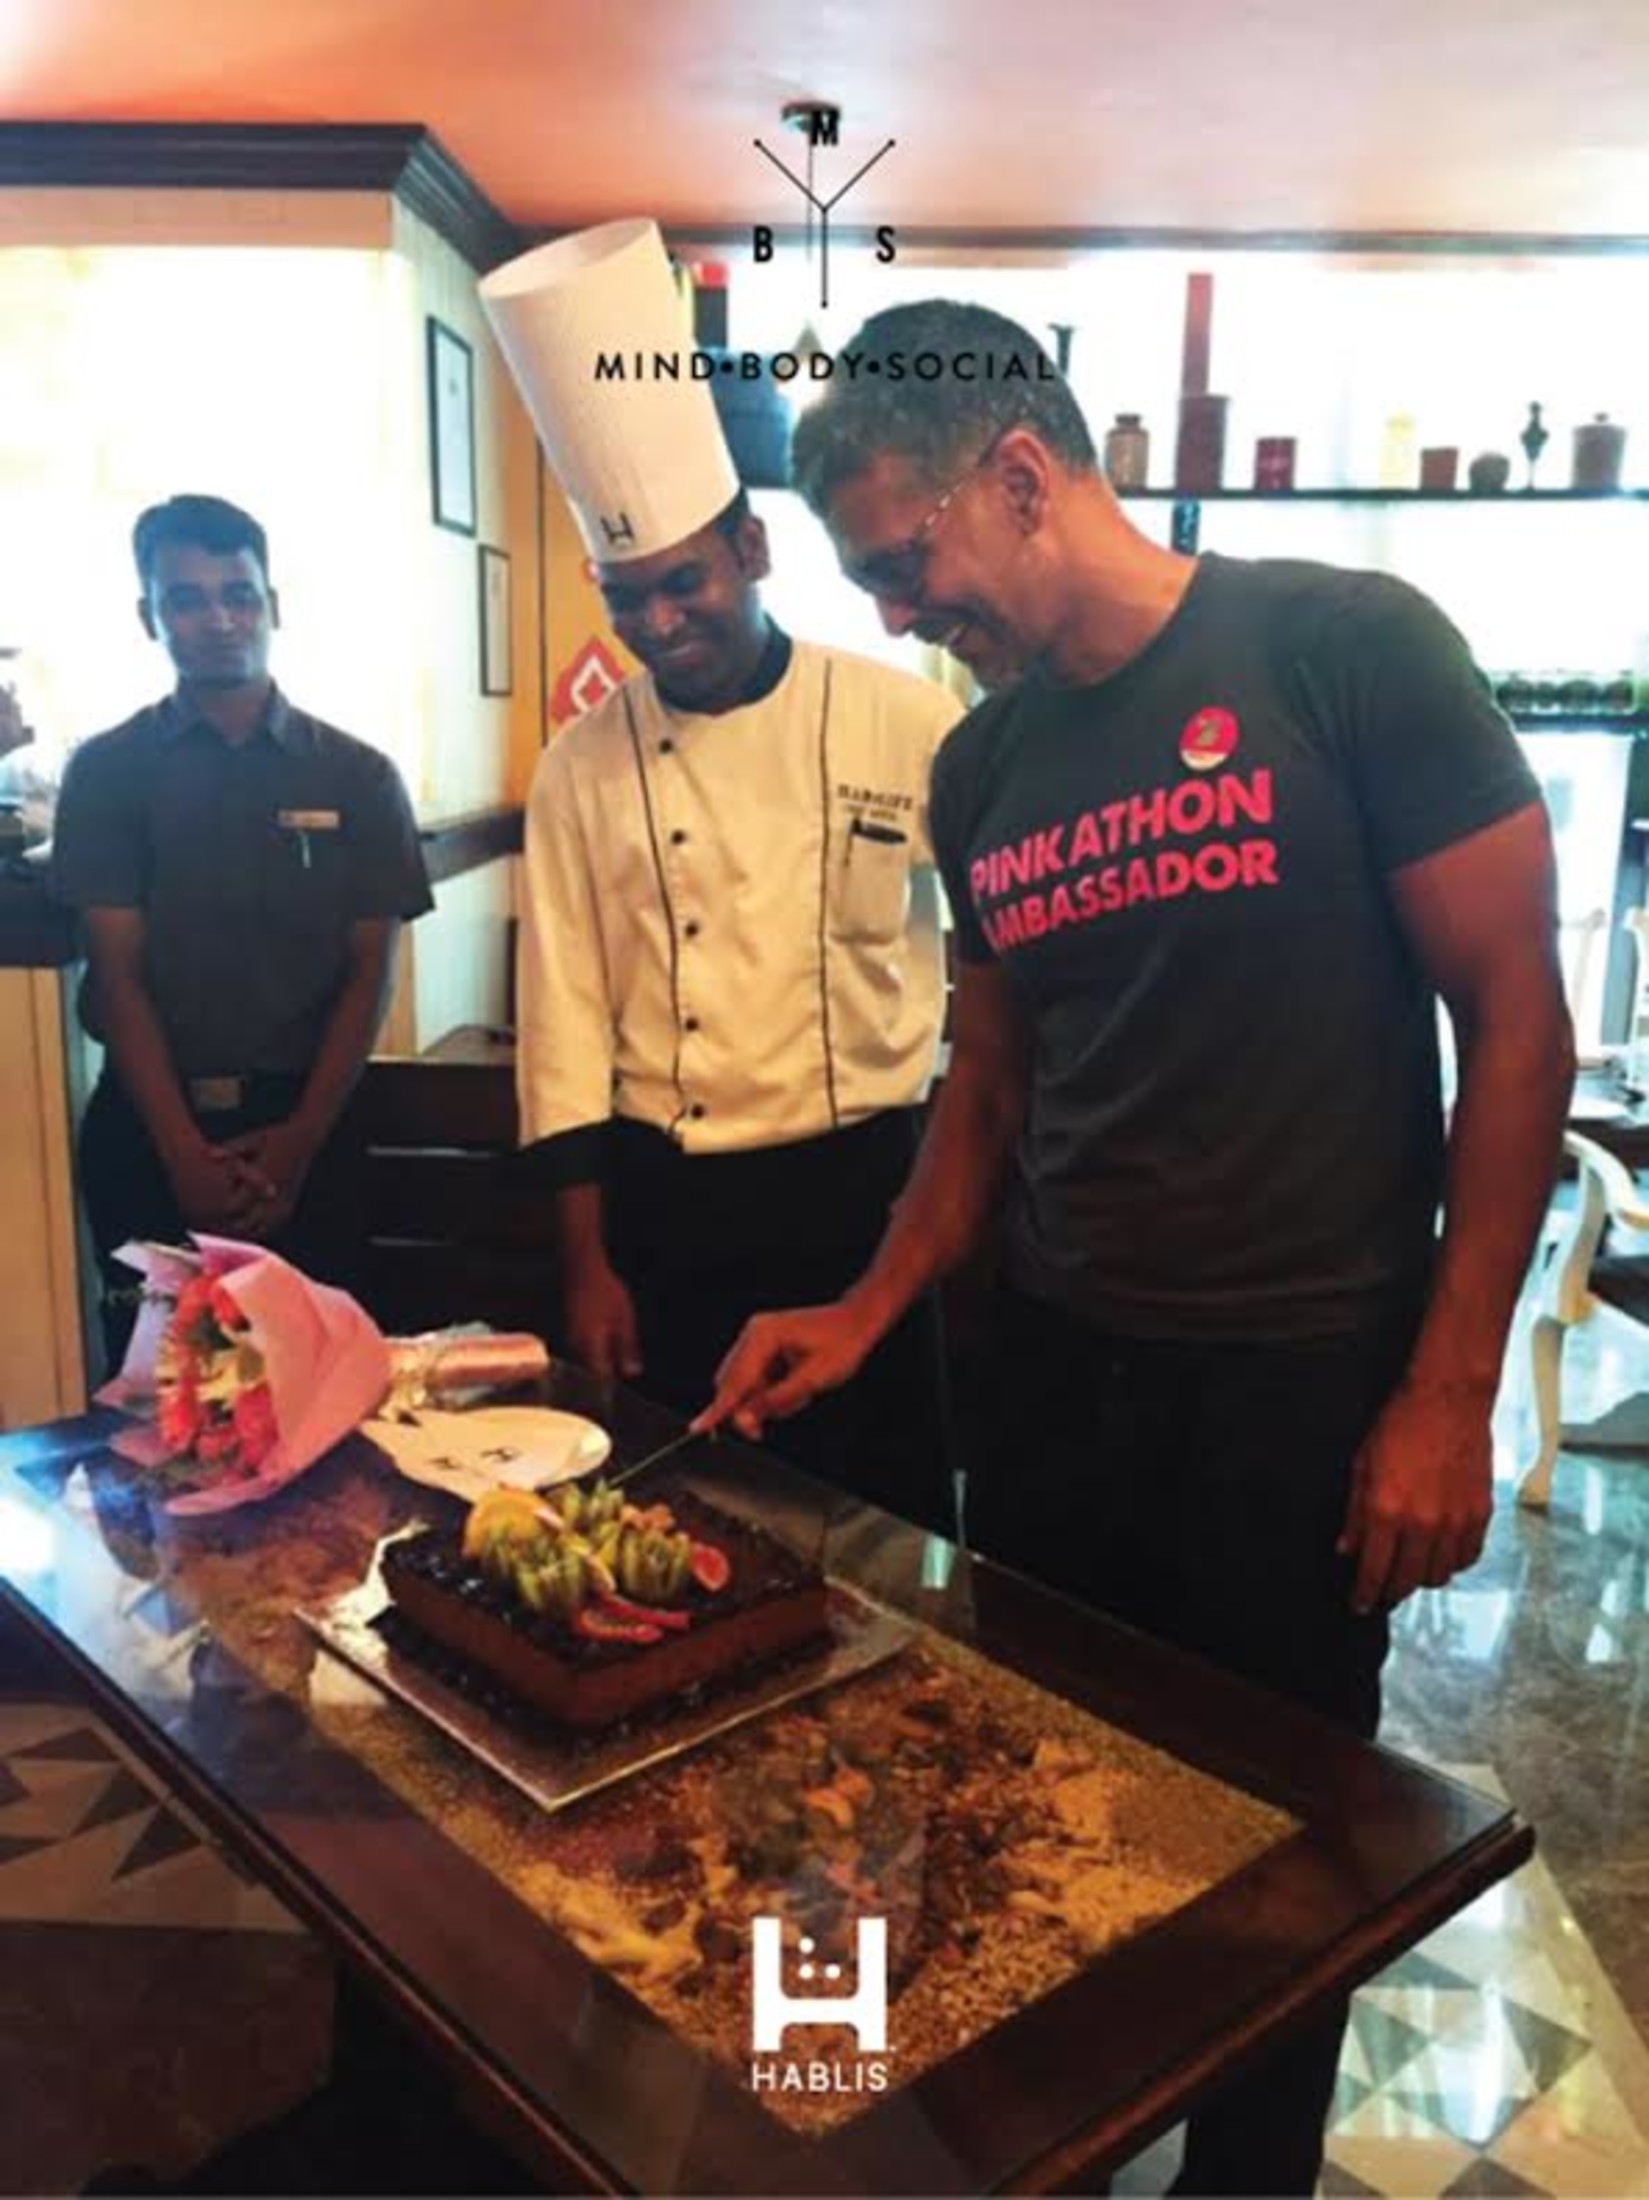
x,y
242,870
1212,860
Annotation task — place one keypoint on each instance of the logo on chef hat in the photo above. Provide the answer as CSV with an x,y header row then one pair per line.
x,y
1209,739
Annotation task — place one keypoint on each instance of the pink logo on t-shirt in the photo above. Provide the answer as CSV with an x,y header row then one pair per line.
x,y
1210,737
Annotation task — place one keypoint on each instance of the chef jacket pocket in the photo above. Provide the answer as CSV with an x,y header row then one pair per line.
x,y
872,884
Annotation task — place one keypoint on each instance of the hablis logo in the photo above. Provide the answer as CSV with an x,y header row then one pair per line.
x,y
777,2009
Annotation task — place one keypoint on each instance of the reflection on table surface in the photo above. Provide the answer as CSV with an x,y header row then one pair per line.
x,y
1019,1798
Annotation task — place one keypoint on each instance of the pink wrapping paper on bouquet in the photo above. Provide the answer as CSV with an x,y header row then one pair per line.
x,y
242,1368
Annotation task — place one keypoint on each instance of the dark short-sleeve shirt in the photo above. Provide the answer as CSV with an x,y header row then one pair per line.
x,y
1234,1125
250,863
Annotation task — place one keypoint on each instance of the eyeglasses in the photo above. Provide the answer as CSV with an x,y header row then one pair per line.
x,y
896,574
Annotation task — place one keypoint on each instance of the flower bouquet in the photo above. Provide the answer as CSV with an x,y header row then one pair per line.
x,y
242,1372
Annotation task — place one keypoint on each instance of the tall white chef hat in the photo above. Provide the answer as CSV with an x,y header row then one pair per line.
x,y
641,457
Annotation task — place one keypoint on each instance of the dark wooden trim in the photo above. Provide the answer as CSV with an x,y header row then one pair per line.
x,y
1376,243
465,843
207,155
433,186
407,159
401,158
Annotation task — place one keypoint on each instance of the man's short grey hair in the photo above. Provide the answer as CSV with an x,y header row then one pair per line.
x,y
937,418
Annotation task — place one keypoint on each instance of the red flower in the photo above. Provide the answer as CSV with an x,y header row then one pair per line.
x,y
217,1444
180,1417
254,1413
225,1310
193,1300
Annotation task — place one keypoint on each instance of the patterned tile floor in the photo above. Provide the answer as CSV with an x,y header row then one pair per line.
x,y
131,1951
1509,2054
1495,2058
1504,2056
85,1838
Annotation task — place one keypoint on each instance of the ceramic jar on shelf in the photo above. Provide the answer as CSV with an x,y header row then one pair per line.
x,y
1127,452
1600,453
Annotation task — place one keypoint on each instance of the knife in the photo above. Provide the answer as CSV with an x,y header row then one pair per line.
x,y
676,1443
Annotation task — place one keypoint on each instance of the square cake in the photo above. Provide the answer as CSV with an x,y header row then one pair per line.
x,y
592,1610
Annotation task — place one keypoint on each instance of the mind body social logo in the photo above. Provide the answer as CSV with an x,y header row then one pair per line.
x,y
822,125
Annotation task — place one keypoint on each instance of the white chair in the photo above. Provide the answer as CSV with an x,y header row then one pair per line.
x,y
1577,1281
1577,939
1636,924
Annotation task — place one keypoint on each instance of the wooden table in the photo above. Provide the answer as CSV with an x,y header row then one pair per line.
x,y
414,1863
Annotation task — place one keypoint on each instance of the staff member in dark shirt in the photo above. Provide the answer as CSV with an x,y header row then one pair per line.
x,y
242,869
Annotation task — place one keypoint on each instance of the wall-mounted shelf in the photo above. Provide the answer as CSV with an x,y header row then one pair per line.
x,y
1386,496
1634,722
1185,526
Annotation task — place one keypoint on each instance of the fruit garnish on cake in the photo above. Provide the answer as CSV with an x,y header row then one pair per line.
x,y
591,1607
614,1572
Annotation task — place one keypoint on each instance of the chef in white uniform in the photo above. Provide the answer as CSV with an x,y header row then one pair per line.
x,y
731,983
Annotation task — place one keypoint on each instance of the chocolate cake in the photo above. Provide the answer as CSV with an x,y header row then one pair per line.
x,y
613,1612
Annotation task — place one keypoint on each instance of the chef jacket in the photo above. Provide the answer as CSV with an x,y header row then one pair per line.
x,y
731,922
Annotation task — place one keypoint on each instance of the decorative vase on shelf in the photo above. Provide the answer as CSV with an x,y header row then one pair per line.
x,y
1600,447
1199,455
1489,472
1534,439
1399,452
1128,452
1274,463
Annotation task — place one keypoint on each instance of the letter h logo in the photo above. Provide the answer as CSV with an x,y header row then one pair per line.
x,y
775,2009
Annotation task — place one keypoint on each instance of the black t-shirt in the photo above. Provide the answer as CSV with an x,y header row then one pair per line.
x,y
1234,1124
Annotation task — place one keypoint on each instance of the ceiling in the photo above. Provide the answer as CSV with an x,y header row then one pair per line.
x,y
1522,117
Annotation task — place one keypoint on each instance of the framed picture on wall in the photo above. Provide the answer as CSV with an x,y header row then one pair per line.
x,y
451,369
497,668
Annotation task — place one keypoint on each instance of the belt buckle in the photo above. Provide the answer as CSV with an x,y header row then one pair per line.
x,y
216,1095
